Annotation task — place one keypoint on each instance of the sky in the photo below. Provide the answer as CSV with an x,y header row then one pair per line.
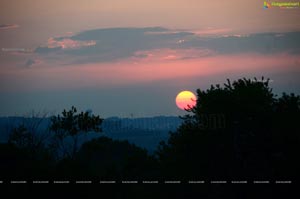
x,y
130,58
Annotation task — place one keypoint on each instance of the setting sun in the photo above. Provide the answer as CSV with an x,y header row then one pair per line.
x,y
186,100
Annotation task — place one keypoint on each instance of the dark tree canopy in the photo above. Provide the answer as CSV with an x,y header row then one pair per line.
x,y
72,124
238,130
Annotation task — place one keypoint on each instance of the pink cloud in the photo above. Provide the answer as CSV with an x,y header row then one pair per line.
x,y
68,43
212,31
170,57
148,69
171,54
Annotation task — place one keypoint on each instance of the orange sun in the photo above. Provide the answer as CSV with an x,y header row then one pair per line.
x,y
186,100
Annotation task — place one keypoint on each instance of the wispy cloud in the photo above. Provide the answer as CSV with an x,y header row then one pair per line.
x,y
266,43
67,43
211,31
102,45
167,54
8,26
113,44
101,75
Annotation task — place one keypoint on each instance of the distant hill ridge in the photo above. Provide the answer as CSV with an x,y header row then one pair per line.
x,y
145,132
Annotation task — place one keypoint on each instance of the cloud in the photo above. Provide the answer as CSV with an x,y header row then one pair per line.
x,y
67,43
113,44
166,54
8,26
101,75
102,45
266,43
170,57
45,50
211,31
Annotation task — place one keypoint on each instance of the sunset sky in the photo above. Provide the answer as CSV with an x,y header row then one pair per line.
x,y
132,57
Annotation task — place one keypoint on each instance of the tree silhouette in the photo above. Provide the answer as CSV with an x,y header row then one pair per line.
x,y
72,124
21,137
256,136
30,137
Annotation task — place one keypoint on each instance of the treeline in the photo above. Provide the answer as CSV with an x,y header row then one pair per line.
x,y
254,136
